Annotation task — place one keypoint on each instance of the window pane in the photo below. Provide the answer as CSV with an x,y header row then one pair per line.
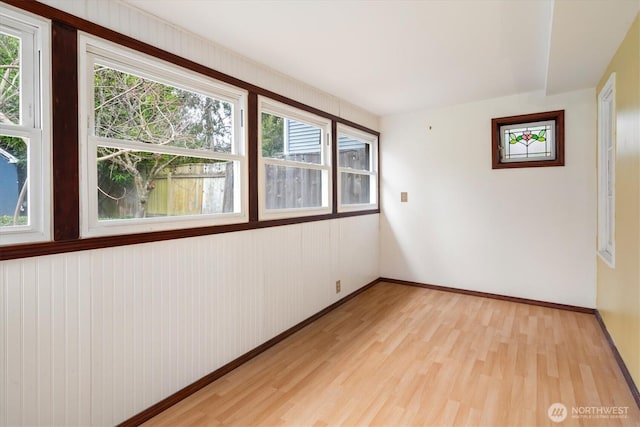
x,y
9,79
287,139
14,197
134,108
354,154
355,188
291,187
528,143
136,184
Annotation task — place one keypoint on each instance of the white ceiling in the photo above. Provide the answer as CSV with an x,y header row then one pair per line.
x,y
392,56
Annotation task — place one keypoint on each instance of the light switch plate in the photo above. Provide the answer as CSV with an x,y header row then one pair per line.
x,y
404,197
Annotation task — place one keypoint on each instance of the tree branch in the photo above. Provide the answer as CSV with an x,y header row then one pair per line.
x,y
111,197
119,95
112,155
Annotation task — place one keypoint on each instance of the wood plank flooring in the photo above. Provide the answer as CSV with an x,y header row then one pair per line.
x,y
397,355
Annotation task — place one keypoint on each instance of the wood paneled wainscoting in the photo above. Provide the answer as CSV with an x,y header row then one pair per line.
x,y
401,355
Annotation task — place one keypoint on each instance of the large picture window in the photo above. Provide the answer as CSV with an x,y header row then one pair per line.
x,y
295,162
163,147
24,128
358,169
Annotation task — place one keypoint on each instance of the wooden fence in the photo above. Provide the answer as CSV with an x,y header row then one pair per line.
x,y
208,188
203,188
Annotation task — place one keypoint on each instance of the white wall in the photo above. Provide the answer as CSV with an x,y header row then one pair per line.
x,y
528,232
92,338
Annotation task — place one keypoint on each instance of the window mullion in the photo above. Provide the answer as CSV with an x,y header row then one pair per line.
x,y
20,131
162,149
357,171
290,163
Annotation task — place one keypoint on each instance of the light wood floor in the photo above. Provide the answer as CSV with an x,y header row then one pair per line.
x,y
398,355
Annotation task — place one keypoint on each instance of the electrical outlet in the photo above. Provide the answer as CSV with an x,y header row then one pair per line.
x,y
404,197
338,287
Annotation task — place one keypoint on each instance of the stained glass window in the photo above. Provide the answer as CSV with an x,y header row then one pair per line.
x,y
525,143
528,140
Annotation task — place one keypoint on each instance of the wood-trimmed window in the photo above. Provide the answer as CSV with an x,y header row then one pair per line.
x,y
528,140
161,147
70,151
294,162
357,170
25,139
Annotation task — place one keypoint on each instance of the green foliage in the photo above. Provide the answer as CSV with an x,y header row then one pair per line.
x,y
272,135
9,79
7,220
10,97
133,108
16,147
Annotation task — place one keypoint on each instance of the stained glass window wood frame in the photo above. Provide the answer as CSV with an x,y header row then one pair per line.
x,y
528,140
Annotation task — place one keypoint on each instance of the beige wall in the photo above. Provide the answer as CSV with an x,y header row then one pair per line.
x,y
618,289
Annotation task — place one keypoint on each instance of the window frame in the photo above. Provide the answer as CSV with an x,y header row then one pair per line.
x,y
524,120
64,166
373,142
94,50
35,122
607,171
270,106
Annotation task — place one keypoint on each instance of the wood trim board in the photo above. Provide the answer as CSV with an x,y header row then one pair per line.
x,y
490,295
